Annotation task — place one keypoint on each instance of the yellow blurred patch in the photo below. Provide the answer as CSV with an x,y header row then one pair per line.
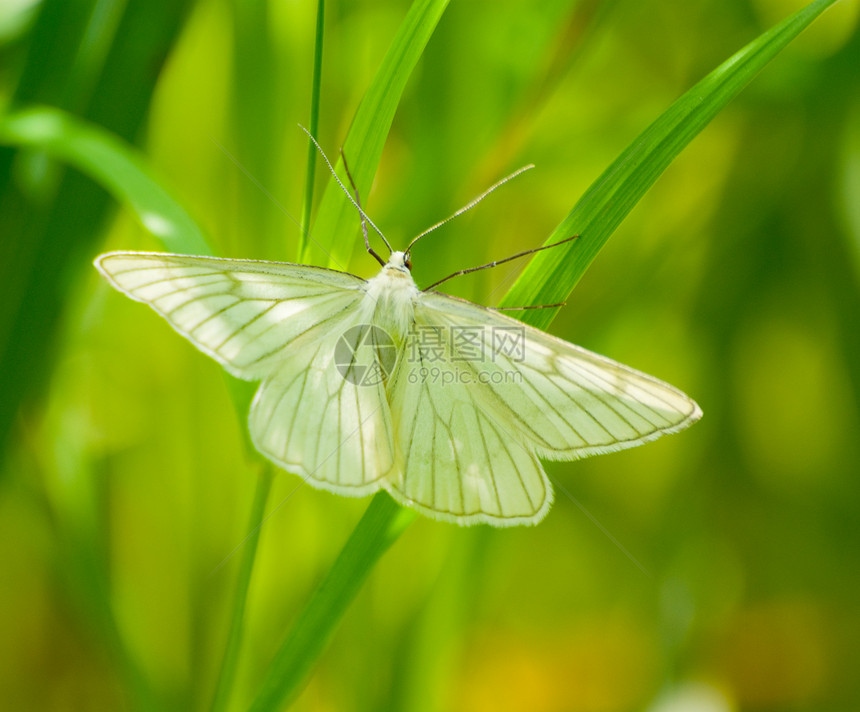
x,y
790,391
604,666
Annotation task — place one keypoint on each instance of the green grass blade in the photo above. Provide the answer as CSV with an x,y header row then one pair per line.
x,y
380,526
552,275
230,662
255,117
313,127
56,230
113,164
62,31
336,218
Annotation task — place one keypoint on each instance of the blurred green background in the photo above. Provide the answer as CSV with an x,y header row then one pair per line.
x,y
713,570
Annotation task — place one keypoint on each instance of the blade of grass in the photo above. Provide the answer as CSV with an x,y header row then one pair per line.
x,y
254,109
336,219
112,163
229,664
57,224
382,523
606,203
313,128
551,276
59,33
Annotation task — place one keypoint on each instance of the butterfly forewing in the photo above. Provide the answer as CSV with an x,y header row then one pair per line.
x,y
241,312
565,401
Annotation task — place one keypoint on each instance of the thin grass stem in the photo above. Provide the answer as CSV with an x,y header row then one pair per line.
x,y
313,128
380,526
230,661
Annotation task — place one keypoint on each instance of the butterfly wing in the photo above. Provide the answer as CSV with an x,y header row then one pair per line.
x,y
242,313
480,394
567,401
320,416
279,323
459,459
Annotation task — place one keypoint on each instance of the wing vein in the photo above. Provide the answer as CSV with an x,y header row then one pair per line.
x,y
479,417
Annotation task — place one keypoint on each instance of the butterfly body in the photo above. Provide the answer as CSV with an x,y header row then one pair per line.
x,y
375,384
391,296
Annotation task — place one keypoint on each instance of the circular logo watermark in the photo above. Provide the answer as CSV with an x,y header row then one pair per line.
x,y
365,355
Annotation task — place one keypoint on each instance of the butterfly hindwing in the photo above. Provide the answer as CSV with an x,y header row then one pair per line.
x,y
323,418
458,461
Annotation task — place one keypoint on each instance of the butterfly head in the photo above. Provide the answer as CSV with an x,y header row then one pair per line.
x,y
399,262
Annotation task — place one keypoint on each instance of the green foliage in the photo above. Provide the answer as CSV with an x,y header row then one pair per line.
x,y
550,277
378,529
366,138
125,522
113,165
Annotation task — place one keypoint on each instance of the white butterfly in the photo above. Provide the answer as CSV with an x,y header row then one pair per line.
x,y
370,384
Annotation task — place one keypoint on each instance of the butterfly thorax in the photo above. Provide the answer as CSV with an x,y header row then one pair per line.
x,y
390,297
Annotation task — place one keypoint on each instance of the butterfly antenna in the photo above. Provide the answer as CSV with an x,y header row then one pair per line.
x,y
471,204
502,261
361,212
363,221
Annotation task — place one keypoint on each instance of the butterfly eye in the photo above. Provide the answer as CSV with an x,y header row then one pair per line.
x,y
408,262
